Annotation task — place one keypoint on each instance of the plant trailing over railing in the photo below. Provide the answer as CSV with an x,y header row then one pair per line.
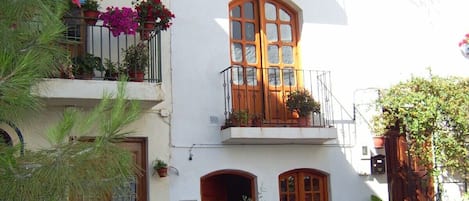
x,y
153,11
433,113
120,20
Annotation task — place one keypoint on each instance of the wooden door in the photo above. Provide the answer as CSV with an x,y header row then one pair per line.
x,y
407,180
302,185
264,57
138,186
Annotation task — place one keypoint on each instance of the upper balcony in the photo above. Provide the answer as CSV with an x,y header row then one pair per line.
x,y
256,109
95,44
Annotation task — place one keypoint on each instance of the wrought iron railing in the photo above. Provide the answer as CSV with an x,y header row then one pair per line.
x,y
261,94
81,39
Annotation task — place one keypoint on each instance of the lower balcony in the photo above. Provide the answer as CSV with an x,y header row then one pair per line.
x,y
277,106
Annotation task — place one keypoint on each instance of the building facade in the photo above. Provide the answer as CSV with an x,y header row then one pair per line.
x,y
244,57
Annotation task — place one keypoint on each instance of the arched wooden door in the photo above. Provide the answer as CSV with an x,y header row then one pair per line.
x,y
227,185
264,56
303,184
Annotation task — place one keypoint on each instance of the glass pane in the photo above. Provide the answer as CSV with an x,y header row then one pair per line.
x,y
251,76
236,12
237,52
291,197
236,30
274,80
251,54
250,36
291,179
285,30
315,184
308,197
284,16
283,185
270,11
126,192
287,54
238,75
317,197
307,183
289,80
272,52
283,198
248,11
272,34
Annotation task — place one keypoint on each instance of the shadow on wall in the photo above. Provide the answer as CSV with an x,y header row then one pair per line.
x,y
324,11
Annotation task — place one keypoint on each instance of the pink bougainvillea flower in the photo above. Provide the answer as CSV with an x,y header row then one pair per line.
x,y
77,2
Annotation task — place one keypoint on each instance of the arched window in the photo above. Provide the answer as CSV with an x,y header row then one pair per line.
x,y
303,184
264,55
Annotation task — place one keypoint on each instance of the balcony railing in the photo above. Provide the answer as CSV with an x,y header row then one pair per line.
x,y
262,95
81,38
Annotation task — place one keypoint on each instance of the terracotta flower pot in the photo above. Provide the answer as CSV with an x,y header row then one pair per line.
x,y
162,172
304,121
136,76
91,16
378,142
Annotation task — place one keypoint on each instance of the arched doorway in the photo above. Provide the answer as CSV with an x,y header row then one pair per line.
x,y
228,185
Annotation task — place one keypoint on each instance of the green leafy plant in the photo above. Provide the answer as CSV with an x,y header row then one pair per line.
x,y
87,64
136,57
158,164
90,5
433,114
113,70
238,118
75,168
302,102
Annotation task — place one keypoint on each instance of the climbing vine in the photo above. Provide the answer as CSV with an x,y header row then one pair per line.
x,y
434,114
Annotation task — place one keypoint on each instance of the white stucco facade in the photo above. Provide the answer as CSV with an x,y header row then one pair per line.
x,y
365,44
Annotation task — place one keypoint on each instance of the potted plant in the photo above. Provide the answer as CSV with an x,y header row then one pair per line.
x,y
160,167
378,141
120,20
84,66
113,70
151,14
90,11
136,61
256,120
302,103
238,118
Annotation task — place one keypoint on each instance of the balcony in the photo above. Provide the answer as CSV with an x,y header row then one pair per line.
x,y
260,96
82,39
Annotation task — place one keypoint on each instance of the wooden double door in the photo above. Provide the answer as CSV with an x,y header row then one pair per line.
x,y
303,185
264,57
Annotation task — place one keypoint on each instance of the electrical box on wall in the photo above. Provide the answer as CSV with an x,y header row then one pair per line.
x,y
378,164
